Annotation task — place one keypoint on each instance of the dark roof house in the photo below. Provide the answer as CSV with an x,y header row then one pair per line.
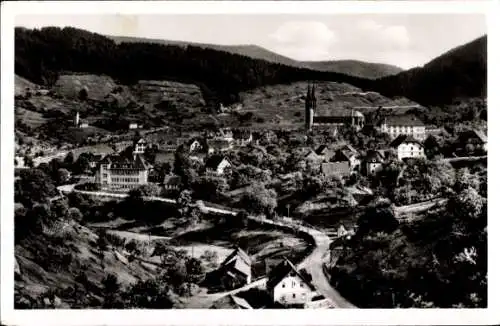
x,y
282,270
404,139
373,156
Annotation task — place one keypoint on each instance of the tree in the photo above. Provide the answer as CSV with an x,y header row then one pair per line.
x,y
75,214
62,176
257,199
69,160
111,287
102,245
34,186
149,190
377,219
467,204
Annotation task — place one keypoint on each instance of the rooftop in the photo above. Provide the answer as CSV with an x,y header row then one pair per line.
x,y
281,271
404,120
404,139
336,168
214,161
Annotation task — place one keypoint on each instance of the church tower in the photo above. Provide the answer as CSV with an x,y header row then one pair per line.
x,y
77,119
310,107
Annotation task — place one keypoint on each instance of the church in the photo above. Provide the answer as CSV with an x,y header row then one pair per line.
x,y
328,116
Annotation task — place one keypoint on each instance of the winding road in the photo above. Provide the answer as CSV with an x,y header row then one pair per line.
x,y
312,263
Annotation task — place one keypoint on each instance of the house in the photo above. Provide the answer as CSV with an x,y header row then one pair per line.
x,y
287,286
242,137
195,145
236,270
373,162
218,145
139,146
403,124
325,152
225,134
94,159
473,138
349,154
134,125
172,182
408,147
122,172
340,169
217,165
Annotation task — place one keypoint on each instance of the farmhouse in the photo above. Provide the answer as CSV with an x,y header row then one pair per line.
x,y
287,286
404,124
349,154
217,165
408,147
122,172
236,269
474,139
373,162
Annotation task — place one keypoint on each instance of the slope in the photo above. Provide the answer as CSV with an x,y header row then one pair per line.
x,y
458,73
355,68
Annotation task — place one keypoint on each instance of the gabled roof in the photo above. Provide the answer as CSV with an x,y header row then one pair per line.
x,y
240,253
476,134
328,111
374,157
336,168
321,150
214,161
240,302
281,271
123,161
404,120
404,139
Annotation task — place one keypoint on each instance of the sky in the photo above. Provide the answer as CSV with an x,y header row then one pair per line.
x,y
404,40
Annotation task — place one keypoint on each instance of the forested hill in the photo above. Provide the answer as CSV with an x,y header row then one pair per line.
x,y
42,54
349,67
458,73
355,68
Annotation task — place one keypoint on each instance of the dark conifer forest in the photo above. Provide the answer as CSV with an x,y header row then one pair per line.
x,y
42,54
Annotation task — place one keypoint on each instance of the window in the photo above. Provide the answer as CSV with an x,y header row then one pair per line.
x,y
282,298
293,295
301,284
303,296
283,285
293,284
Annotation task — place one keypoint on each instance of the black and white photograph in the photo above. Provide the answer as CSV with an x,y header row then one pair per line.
x,y
248,161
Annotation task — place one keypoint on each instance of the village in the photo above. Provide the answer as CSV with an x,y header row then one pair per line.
x,y
338,153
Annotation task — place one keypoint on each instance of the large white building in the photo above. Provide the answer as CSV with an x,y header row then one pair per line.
x,y
405,124
407,146
124,171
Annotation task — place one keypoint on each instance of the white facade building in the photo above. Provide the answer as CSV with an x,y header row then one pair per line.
x,y
403,125
408,147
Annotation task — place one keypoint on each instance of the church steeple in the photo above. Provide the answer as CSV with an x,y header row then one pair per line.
x,y
310,107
